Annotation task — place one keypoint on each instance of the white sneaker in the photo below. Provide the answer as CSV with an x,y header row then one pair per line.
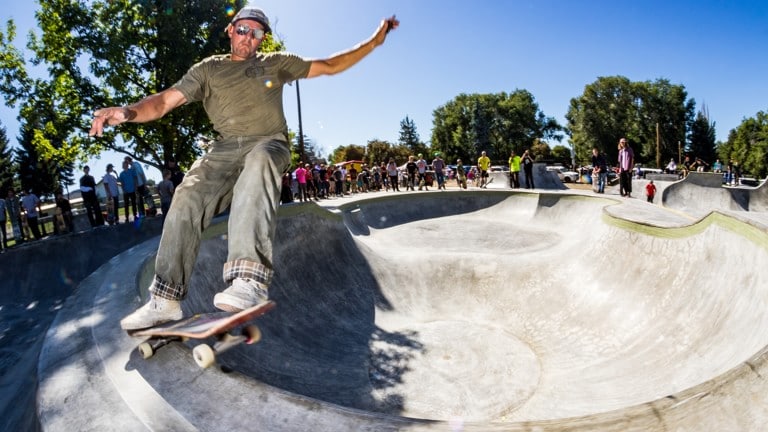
x,y
242,294
156,311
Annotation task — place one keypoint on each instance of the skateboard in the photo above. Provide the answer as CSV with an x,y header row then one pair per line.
x,y
111,217
149,201
204,326
485,185
26,232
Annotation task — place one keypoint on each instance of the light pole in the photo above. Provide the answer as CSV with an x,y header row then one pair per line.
x,y
301,130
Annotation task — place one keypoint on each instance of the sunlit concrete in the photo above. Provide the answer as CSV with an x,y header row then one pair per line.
x,y
477,310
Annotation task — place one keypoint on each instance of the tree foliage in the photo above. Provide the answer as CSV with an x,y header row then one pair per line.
x,y
747,145
380,151
701,138
347,153
495,123
41,175
615,107
115,52
7,167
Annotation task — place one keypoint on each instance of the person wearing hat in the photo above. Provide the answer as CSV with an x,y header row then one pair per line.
x,y
242,95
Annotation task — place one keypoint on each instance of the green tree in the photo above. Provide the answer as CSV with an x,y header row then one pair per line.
x,y
41,175
748,145
409,137
496,123
347,153
379,151
7,168
614,107
114,52
701,138
561,154
540,150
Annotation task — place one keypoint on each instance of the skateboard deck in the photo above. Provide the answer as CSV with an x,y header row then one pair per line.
x,y
111,217
485,185
204,326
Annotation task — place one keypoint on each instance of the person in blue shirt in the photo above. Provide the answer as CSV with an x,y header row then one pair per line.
x,y
128,181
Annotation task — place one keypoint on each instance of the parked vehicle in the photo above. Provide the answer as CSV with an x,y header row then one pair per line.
x,y
566,175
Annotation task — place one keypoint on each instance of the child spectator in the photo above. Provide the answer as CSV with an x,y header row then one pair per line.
x,y
650,191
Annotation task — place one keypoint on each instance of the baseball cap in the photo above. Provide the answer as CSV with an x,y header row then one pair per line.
x,y
255,14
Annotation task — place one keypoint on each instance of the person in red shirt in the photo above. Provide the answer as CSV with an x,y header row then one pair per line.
x,y
650,191
301,179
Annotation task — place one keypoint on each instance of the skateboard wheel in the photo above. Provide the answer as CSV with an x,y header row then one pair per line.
x,y
146,351
252,333
204,355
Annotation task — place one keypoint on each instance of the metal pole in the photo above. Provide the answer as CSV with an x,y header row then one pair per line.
x,y
301,129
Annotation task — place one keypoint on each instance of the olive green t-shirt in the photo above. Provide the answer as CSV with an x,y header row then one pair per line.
x,y
243,98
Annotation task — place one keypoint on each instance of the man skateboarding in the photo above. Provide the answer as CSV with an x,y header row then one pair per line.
x,y
242,95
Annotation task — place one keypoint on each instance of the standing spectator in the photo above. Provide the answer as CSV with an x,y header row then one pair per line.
x,y
411,168
528,169
484,165
3,223
90,201
31,204
626,164
177,175
599,170
13,206
421,166
650,191
286,195
64,208
438,166
165,189
338,177
112,192
514,170
392,173
127,179
143,198
461,175
301,179
323,182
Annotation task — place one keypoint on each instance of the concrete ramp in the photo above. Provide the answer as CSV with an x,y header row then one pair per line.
x,y
542,179
447,311
700,193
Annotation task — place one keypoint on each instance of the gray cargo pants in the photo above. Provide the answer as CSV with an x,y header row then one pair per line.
x,y
244,172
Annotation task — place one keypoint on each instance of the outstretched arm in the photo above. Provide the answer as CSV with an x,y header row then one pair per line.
x,y
344,60
150,108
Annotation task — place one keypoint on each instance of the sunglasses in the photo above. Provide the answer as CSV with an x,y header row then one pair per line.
x,y
244,29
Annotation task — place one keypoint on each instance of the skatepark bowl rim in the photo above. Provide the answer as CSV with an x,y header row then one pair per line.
x,y
611,352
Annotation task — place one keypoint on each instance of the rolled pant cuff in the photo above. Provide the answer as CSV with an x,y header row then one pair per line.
x,y
167,290
246,269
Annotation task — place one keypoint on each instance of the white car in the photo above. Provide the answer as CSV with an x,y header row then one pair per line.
x,y
566,176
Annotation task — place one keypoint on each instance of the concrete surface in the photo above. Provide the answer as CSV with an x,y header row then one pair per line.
x,y
36,279
476,310
542,179
688,195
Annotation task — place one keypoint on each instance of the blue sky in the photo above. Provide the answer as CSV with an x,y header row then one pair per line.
x,y
552,48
